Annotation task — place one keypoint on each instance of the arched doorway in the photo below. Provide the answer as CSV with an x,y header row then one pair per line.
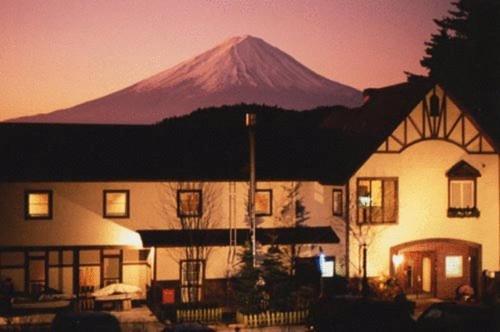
x,y
436,267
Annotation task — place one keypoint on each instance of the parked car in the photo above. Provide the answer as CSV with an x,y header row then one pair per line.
x,y
462,317
352,314
85,322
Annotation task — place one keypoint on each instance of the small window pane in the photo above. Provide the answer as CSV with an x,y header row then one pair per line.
x,y
111,267
89,257
189,203
468,200
453,266
15,258
116,203
67,257
455,194
38,205
462,194
37,270
337,202
54,258
263,202
390,207
376,193
130,256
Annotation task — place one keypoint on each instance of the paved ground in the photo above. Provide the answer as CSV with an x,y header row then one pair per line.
x,y
136,319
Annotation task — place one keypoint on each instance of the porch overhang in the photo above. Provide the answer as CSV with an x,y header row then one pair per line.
x,y
217,237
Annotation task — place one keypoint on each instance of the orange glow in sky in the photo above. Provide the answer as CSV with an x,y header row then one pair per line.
x,y
56,54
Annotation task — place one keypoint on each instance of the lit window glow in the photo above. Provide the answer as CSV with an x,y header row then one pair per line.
x,y
116,204
38,205
462,194
453,266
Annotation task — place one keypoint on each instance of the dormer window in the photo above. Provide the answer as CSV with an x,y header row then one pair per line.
x,y
462,190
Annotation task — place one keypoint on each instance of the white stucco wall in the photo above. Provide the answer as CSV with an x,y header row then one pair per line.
x,y
78,217
423,202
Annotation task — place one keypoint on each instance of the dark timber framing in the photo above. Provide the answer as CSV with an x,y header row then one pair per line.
x,y
440,127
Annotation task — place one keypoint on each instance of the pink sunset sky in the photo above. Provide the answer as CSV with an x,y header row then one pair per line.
x,y
56,54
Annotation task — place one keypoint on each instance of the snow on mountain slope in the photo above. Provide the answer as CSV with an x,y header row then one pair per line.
x,y
241,69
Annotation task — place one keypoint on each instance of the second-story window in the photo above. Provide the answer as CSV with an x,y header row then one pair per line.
x,y
377,200
462,190
116,204
263,202
337,202
38,204
189,203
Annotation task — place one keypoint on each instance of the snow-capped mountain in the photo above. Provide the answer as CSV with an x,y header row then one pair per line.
x,y
241,69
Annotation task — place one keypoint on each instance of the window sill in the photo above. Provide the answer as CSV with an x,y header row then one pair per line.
x,y
463,213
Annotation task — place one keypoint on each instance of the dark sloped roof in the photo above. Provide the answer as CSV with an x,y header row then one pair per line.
x,y
463,169
221,237
206,145
327,144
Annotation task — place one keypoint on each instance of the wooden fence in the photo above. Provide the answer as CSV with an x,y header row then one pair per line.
x,y
205,315
269,318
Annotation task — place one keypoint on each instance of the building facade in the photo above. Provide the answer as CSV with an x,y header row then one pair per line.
x,y
427,200
410,175
67,235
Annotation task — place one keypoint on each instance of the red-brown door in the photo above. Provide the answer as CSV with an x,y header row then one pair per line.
x,y
417,273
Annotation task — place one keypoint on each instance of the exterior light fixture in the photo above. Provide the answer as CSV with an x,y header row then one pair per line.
x,y
365,200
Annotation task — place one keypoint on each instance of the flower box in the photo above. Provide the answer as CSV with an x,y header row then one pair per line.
x,y
463,212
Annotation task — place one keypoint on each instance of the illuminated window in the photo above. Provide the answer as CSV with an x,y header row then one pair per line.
x,y
377,200
337,201
462,194
191,280
454,266
116,204
462,190
38,204
263,202
326,266
189,203
111,270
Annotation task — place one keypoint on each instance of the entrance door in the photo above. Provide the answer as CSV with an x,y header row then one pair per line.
x,y
417,272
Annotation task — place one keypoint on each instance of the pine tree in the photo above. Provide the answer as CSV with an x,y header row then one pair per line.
x,y
465,55
248,288
278,285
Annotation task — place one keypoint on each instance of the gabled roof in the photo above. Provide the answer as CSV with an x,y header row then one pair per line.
x,y
463,169
207,145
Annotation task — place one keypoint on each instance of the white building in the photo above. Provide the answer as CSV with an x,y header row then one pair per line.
x,y
410,174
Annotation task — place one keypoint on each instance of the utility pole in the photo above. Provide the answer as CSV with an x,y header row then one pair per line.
x,y
250,121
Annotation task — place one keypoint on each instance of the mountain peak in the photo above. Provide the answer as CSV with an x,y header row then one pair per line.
x,y
241,69
239,61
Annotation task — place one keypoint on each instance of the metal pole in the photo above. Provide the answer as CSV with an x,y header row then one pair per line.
x,y
250,123
365,276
